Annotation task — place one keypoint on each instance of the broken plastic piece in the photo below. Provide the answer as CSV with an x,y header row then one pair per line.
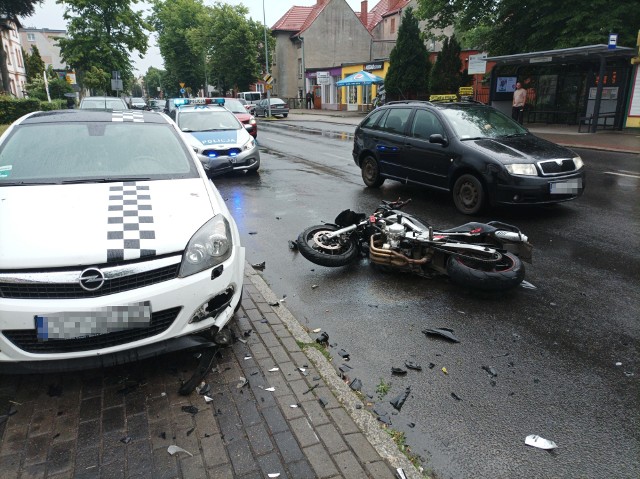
x,y
323,402
411,425
125,440
271,389
444,370
314,286
385,420
456,397
276,303
208,399
274,369
489,369
323,338
527,285
356,384
412,365
293,245
344,355
398,371
399,400
175,449
293,405
242,383
345,368
247,357
432,365
203,389
317,330
190,409
275,474
253,232
445,333
539,442
259,266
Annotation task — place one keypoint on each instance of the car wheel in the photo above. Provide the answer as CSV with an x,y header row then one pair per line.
x,y
285,115
371,172
468,194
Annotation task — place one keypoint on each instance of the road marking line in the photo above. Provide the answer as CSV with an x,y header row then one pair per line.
x,y
621,174
335,156
273,139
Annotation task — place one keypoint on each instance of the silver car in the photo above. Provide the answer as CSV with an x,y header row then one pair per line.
x,y
103,103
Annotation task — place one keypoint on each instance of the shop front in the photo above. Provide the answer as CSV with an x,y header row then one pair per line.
x,y
360,97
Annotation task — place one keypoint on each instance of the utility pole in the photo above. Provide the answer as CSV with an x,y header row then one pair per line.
x,y
266,57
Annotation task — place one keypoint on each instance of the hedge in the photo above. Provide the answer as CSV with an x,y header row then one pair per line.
x,y
13,108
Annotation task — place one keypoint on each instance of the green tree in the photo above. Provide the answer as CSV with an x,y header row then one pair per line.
x,y
10,10
33,63
97,80
153,81
409,66
36,88
103,33
515,26
445,74
174,21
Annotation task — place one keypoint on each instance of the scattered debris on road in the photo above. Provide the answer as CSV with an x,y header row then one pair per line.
x,y
175,449
539,442
399,400
259,266
445,333
412,365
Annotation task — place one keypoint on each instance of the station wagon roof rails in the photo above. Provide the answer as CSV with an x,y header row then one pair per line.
x,y
406,102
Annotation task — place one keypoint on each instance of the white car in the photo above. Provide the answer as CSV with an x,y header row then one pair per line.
x,y
114,245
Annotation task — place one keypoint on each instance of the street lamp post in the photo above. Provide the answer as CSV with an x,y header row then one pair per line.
x,y
266,57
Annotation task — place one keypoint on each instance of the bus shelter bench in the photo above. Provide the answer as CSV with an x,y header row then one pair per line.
x,y
550,116
589,119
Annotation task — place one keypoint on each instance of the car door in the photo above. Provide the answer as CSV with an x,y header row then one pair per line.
x,y
388,141
426,162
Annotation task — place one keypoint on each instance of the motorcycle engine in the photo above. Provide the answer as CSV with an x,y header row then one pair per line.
x,y
395,234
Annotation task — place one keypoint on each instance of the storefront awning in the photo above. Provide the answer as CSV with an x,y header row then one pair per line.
x,y
564,55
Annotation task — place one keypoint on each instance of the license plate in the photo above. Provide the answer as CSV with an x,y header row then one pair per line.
x,y
80,324
568,187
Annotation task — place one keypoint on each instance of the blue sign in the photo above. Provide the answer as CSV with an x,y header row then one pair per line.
x,y
182,90
613,41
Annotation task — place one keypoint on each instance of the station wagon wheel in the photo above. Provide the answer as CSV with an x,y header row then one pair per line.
x,y
371,172
468,194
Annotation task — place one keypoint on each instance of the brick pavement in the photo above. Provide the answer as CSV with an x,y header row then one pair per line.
x,y
119,422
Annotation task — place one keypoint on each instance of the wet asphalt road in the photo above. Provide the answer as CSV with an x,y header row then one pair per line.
x,y
555,348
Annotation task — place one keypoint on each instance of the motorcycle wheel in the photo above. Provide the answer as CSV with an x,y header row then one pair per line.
x,y
506,274
333,253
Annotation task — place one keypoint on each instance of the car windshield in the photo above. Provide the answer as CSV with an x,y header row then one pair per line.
x,y
103,104
207,120
234,105
481,122
97,151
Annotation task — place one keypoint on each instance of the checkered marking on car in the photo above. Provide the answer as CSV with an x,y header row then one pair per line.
x,y
122,116
130,234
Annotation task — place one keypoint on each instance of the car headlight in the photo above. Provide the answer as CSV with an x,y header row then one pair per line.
x,y
249,145
210,246
523,169
578,162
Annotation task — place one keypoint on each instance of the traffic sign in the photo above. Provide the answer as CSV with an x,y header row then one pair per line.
x,y
182,90
268,79
181,85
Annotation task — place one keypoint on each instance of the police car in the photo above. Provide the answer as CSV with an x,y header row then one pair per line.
x,y
221,142
114,245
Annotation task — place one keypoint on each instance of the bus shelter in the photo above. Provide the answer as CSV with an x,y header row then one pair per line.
x,y
588,86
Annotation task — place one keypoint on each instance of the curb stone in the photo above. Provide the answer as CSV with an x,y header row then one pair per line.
x,y
368,424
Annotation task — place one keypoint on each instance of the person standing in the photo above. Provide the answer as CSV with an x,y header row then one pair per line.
x,y
309,100
519,99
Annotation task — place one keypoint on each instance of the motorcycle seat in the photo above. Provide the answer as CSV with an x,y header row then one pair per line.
x,y
472,226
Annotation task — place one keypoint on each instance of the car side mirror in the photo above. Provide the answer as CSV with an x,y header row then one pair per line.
x,y
438,138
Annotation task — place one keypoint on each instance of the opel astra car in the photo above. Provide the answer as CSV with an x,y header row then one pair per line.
x,y
103,103
468,149
114,245
278,107
221,142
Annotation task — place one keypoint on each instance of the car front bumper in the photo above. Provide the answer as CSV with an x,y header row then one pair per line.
x,y
248,160
179,307
518,190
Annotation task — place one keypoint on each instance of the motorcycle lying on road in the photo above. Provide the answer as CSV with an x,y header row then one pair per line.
x,y
481,256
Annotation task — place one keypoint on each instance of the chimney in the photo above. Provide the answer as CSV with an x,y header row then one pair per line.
x,y
364,8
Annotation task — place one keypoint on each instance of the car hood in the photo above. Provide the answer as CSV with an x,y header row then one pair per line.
x,y
47,226
243,116
218,139
528,148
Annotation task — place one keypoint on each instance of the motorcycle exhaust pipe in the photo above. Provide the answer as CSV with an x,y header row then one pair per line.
x,y
391,258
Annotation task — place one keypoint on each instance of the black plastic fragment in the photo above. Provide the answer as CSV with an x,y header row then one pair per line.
x,y
323,402
190,431
445,333
276,303
344,355
190,409
456,397
399,400
412,365
247,333
323,338
490,370
125,440
253,232
398,371
378,410
163,435
345,368
411,425
259,266
204,390
356,384
293,245
385,420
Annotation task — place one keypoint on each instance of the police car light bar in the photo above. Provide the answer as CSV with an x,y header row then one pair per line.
x,y
199,101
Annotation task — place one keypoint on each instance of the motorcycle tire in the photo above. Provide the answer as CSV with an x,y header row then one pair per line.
x,y
336,253
506,274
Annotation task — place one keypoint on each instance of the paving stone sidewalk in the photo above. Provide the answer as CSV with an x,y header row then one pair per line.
x,y
119,422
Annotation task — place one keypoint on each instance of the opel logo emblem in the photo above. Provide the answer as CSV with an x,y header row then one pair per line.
x,y
91,279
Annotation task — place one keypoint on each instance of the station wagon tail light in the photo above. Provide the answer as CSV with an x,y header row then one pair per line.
x,y
211,245
522,169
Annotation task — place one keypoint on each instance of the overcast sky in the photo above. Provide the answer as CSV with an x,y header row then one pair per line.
x,y
49,15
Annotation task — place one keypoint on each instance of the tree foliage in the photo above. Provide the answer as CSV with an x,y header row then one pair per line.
x,y
33,63
36,88
446,76
102,34
513,26
409,66
153,81
97,80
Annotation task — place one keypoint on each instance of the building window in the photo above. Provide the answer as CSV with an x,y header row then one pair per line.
x,y
31,37
393,25
19,58
6,49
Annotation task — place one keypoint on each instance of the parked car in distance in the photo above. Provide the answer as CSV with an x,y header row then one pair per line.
x,y
138,103
479,155
103,103
221,142
236,107
278,107
248,106
156,105
141,255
